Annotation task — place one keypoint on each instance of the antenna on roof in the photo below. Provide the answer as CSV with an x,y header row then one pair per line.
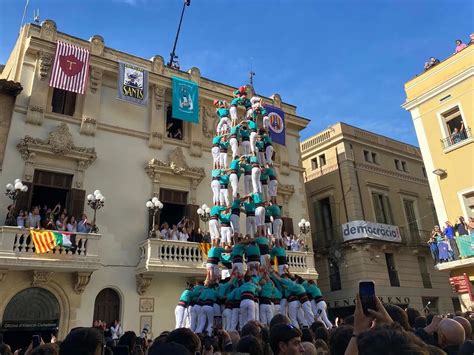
x,y
251,73
36,16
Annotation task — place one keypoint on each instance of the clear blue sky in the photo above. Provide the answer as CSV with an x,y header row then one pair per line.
x,y
335,60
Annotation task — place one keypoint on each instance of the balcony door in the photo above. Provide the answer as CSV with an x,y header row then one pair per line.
x,y
107,306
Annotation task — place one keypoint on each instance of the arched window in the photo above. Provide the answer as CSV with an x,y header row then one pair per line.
x,y
107,306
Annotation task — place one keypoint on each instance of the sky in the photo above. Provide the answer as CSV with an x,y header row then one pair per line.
x,y
336,60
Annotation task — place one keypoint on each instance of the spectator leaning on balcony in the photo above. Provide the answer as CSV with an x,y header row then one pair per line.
x,y
83,226
433,243
448,231
461,227
21,219
459,46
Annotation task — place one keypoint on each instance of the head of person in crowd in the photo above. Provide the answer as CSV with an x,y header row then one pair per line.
x,y
316,325
412,313
466,325
285,339
321,333
321,347
129,339
307,335
83,341
450,334
46,349
250,345
398,315
389,339
5,349
419,322
185,337
309,348
168,349
279,319
251,328
340,338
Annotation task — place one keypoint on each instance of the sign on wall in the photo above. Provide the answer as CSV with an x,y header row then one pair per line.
x,y
132,84
363,229
185,100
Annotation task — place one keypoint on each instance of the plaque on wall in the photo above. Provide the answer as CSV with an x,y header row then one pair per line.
x,y
147,305
146,321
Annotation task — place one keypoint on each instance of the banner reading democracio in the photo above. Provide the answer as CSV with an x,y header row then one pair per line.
x,y
185,100
363,229
133,84
277,129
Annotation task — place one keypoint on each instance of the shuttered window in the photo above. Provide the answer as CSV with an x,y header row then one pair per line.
x,y
382,208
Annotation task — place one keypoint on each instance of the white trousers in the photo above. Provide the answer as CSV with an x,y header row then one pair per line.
x,y
247,308
253,141
239,267
282,269
235,318
247,184
235,223
216,188
233,113
308,313
260,216
266,313
223,122
234,146
195,311
224,197
266,122
266,196
273,188
256,186
283,306
245,147
180,314
261,157
268,227
269,154
277,225
293,308
251,225
226,235
227,319
234,182
223,160
320,313
214,228
206,315
215,155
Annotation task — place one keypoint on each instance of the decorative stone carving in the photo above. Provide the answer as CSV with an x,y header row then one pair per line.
x,y
194,75
95,79
35,115
48,30
3,273
45,61
276,100
81,280
155,140
158,64
40,277
159,92
196,149
209,121
97,45
60,140
88,126
143,282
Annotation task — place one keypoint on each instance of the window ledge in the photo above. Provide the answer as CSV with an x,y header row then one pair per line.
x,y
458,145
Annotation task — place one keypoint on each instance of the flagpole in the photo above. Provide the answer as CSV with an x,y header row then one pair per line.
x,y
173,54
17,56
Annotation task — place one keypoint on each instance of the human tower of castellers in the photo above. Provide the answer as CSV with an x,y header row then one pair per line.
x,y
242,292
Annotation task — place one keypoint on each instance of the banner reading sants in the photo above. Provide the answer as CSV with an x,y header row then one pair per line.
x,y
132,84
364,229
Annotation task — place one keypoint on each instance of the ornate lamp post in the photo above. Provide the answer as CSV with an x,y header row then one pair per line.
x,y
305,228
95,201
12,191
153,206
204,213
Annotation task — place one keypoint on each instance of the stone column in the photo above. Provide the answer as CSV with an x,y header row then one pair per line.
x,y
196,129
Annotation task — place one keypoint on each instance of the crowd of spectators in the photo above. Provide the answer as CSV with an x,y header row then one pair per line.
x,y
442,242
459,47
388,329
57,218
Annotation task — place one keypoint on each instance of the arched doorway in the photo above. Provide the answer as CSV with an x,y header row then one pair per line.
x,y
107,306
32,311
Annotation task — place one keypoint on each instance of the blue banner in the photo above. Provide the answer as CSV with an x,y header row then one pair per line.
x,y
185,100
132,84
277,124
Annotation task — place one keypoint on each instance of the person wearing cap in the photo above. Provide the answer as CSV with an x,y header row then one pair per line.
x,y
285,339
206,300
224,189
181,309
272,183
277,223
216,185
248,293
214,223
250,221
222,112
226,231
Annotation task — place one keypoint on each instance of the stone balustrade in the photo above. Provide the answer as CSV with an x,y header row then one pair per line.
x,y
17,251
157,256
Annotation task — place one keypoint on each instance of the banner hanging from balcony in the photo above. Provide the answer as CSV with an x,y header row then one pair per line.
x,y
185,100
70,68
277,127
132,84
364,229
466,245
46,240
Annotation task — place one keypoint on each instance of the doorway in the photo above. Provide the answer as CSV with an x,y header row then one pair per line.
x,y
107,306
50,188
33,311
174,206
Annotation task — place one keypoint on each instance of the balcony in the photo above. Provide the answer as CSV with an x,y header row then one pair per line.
x,y
186,258
456,139
17,253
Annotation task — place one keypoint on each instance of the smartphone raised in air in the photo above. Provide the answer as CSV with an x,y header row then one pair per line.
x,y
367,295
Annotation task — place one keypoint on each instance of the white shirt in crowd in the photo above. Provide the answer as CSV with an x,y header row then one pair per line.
x,y
60,226
295,245
71,227
34,220
20,221
183,237
174,235
116,331
287,241
165,233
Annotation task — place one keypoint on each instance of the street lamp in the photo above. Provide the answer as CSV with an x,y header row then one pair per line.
x,y
95,201
305,228
204,213
12,191
153,206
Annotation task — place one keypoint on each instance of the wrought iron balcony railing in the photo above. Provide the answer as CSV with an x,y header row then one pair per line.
x,y
456,138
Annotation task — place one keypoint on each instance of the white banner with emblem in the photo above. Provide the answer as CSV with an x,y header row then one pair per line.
x,y
363,229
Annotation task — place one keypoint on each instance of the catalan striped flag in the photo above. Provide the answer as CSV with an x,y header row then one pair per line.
x,y
70,68
46,240
204,249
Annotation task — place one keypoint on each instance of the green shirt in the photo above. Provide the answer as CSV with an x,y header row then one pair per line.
x,y
224,179
222,112
225,217
234,295
244,133
263,175
267,290
185,296
216,140
252,125
312,289
252,250
224,145
249,287
270,172
253,160
238,250
267,140
215,172
235,131
235,165
260,146
235,205
195,292
257,198
247,167
249,207
277,251
274,210
216,210
222,289
208,294
215,252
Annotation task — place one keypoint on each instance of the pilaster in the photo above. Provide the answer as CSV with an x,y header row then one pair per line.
x,y
157,121
196,129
